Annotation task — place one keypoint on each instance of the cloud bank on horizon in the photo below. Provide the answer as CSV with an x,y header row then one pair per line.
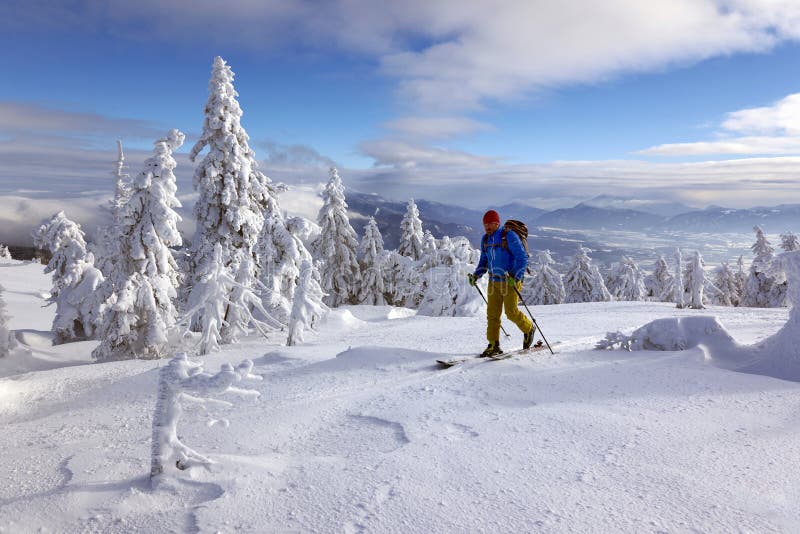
x,y
450,66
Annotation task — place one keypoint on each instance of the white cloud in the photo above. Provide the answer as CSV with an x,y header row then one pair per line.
x,y
435,127
452,54
405,155
763,130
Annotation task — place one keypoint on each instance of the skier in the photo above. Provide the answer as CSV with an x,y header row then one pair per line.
x,y
505,258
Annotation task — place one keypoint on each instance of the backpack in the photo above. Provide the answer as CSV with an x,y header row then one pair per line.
x,y
511,225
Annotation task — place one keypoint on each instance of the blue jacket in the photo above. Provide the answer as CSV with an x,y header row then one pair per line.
x,y
498,261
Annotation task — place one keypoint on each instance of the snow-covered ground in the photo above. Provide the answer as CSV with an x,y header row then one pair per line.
x,y
358,430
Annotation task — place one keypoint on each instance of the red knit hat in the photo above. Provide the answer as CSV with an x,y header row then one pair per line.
x,y
491,216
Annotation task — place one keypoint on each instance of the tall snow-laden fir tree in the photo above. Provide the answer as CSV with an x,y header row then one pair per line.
x,y
233,193
307,306
790,242
582,282
7,341
658,284
545,285
141,312
694,281
373,266
678,292
75,279
600,292
280,252
729,290
336,246
411,236
5,255
762,290
625,282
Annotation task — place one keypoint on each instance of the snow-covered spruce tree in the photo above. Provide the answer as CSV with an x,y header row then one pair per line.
x,y
694,281
307,306
657,284
741,279
141,311
761,288
625,281
544,285
401,276
280,252
7,341
108,239
790,242
729,291
233,193
373,266
583,282
219,302
444,287
183,380
678,292
411,237
335,248
75,279
600,292
5,255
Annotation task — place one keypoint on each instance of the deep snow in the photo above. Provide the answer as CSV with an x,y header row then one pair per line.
x,y
358,430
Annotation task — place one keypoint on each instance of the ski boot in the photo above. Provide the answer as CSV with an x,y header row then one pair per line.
x,y
492,350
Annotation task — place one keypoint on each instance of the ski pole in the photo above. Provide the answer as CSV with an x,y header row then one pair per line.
x,y
533,319
487,303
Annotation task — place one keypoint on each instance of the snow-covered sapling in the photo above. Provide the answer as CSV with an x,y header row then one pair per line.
x,y
184,381
5,255
625,282
218,301
307,306
762,290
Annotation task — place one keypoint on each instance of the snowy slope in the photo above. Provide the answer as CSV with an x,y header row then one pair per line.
x,y
357,430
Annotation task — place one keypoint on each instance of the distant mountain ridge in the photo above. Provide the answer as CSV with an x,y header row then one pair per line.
x,y
561,230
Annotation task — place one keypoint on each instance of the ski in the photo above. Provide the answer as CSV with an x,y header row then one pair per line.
x,y
535,348
538,346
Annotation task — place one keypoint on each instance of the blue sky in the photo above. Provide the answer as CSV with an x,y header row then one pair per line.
x,y
470,102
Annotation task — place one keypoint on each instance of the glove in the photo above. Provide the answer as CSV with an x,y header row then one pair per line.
x,y
512,281
472,279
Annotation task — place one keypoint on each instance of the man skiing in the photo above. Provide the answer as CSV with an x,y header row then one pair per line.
x,y
505,258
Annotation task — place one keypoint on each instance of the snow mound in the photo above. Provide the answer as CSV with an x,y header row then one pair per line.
x,y
375,358
681,333
343,318
778,356
400,313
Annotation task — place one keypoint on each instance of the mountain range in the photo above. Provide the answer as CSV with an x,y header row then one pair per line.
x,y
588,223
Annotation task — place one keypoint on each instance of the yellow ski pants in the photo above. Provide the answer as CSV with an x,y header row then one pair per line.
x,y
500,295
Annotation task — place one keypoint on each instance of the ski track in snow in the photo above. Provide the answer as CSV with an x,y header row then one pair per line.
x,y
359,431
